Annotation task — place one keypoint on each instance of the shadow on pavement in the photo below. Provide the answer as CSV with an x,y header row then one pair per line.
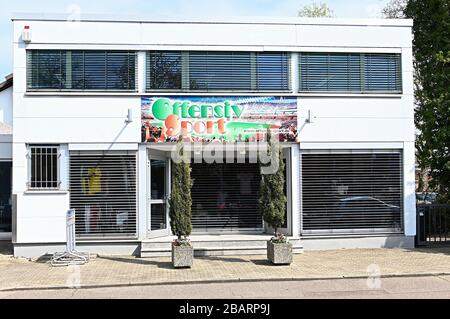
x,y
261,262
224,258
139,261
431,250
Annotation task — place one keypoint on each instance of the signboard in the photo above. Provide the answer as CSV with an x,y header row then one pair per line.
x,y
218,118
70,217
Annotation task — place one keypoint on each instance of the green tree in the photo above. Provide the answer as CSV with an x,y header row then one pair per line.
x,y
431,48
272,201
316,10
394,9
180,202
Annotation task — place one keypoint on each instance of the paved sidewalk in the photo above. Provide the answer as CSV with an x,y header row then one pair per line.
x,y
110,271
429,287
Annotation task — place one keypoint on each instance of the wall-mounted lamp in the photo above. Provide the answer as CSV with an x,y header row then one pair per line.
x,y
129,116
309,118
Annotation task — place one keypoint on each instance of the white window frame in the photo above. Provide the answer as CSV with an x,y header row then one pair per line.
x,y
58,167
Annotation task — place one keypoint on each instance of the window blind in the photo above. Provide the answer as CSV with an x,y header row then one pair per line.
x,y
103,193
217,71
350,72
352,192
81,70
163,70
382,73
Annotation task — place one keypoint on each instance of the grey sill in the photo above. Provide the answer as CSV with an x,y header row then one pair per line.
x,y
45,191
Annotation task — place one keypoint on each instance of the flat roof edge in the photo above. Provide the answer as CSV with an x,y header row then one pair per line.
x,y
209,20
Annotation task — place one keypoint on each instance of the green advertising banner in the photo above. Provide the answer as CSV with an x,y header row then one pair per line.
x,y
207,119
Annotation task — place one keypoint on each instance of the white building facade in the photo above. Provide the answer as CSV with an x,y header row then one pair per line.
x,y
94,100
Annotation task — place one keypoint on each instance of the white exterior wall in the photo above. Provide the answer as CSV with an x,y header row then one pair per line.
x,y
6,103
95,120
6,117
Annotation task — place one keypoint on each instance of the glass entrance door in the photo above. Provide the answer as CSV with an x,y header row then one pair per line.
x,y
158,197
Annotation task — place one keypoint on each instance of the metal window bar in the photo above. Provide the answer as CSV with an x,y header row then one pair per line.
x,y
43,167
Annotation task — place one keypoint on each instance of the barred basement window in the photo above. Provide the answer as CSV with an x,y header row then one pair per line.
x,y
43,164
81,70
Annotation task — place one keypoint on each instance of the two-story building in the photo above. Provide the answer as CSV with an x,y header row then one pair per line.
x,y
98,105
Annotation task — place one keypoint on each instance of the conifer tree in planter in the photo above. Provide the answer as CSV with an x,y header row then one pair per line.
x,y
272,204
180,203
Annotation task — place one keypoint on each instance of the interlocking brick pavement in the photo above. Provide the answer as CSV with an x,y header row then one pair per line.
x,y
116,271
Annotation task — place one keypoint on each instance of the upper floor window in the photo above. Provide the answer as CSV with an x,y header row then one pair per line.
x,y
350,73
81,70
218,71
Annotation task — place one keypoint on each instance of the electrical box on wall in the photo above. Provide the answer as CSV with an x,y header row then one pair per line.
x,y
26,34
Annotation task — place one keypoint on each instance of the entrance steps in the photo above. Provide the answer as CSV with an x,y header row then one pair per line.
x,y
215,245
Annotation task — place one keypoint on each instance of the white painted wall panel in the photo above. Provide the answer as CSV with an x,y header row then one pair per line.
x,y
355,120
218,34
409,184
76,119
79,32
39,221
275,34
348,36
6,106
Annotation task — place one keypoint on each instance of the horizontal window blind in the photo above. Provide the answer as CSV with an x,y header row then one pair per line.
x,y
163,70
350,73
81,70
217,71
220,71
330,72
225,197
382,73
46,69
103,193
352,192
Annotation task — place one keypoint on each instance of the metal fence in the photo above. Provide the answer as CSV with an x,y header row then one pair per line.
x,y
433,225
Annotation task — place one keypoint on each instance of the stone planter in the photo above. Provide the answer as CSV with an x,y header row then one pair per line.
x,y
279,254
182,256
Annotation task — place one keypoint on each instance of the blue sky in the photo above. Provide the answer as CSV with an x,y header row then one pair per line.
x,y
170,8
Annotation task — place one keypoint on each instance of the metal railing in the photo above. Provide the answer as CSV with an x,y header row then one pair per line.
x,y
433,225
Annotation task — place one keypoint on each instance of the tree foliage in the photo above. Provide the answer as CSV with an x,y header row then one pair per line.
x,y
272,201
316,10
180,201
431,48
394,9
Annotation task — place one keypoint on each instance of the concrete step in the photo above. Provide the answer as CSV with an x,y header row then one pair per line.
x,y
155,248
